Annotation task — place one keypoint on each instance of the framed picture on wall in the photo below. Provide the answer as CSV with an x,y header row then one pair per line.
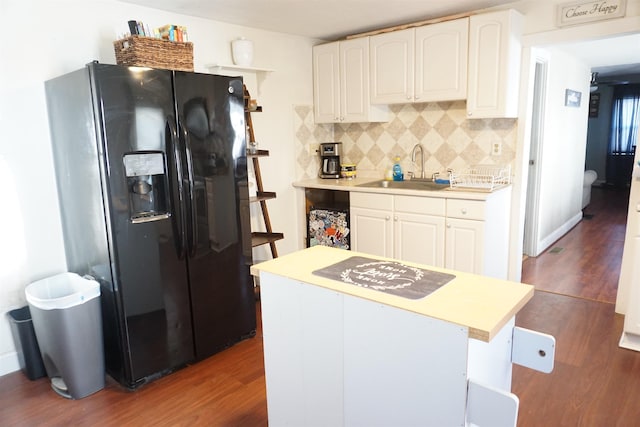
x,y
572,98
594,105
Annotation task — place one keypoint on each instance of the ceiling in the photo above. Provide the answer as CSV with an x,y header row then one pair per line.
x,y
322,19
335,19
616,56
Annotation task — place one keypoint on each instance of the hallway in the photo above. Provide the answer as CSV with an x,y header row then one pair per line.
x,y
586,261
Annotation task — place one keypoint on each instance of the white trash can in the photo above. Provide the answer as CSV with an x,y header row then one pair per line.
x,y
66,315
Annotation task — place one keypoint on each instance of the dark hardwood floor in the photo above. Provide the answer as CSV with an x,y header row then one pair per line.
x,y
586,261
594,383
227,389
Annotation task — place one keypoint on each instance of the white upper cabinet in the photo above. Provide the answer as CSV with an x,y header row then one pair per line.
x,y
341,83
326,82
441,61
427,63
392,67
494,64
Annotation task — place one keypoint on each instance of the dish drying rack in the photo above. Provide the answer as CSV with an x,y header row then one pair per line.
x,y
481,177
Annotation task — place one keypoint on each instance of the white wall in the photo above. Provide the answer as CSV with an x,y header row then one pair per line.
x,y
53,37
563,152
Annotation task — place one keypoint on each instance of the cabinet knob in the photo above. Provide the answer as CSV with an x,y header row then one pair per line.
x,y
464,211
409,97
417,97
449,225
469,113
395,218
387,217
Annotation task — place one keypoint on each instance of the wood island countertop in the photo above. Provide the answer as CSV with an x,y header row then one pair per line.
x,y
482,304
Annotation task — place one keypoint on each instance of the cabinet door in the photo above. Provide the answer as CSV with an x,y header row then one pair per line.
x,y
419,238
464,245
326,83
441,61
354,82
372,231
392,67
494,64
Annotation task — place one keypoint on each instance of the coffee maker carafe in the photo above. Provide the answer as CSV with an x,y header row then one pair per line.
x,y
330,159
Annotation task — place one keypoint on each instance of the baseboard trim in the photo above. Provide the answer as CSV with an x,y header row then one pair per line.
x,y
558,233
9,363
630,341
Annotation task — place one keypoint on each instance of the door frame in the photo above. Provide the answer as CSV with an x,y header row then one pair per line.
x,y
536,148
532,43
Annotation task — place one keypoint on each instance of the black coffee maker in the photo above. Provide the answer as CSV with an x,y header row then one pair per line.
x,y
330,159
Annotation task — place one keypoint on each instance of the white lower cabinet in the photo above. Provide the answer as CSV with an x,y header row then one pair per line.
x,y
459,234
402,227
418,238
465,237
464,245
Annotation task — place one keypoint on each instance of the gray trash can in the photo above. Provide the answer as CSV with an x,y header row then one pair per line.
x,y
66,315
26,343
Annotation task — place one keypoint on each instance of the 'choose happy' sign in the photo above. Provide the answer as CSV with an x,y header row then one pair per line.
x,y
580,12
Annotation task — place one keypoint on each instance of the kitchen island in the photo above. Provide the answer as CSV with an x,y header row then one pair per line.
x,y
343,351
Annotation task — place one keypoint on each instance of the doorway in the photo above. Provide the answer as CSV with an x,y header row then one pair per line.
x,y
627,45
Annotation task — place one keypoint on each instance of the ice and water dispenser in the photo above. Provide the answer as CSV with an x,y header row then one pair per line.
x,y
146,181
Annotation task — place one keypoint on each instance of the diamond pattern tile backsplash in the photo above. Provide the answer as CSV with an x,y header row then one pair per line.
x,y
450,140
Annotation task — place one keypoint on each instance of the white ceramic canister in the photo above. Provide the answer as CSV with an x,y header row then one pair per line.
x,y
242,51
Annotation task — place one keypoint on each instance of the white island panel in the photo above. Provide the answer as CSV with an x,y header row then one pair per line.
x,y
402,368
303,346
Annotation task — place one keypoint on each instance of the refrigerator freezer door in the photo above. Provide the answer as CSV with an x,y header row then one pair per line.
x,y
136,111
212,132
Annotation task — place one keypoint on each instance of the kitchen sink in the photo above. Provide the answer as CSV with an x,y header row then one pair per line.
x,y
413,184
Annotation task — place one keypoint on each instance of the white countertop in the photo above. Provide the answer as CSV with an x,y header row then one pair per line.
x,y
352,185
482,304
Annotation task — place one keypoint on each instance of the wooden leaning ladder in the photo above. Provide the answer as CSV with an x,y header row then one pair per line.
x,y
259,238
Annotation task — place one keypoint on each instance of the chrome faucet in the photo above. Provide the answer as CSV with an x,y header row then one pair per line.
x,y
413,158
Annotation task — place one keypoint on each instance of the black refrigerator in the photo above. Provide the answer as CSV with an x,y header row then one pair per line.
x,y
152,180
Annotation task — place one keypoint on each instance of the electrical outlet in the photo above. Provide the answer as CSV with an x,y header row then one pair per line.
x,y
496,148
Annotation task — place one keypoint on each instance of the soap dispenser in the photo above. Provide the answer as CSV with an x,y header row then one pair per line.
x,y
397,170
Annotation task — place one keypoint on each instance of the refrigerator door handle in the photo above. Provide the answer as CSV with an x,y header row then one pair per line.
x,y
179,224
193,214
